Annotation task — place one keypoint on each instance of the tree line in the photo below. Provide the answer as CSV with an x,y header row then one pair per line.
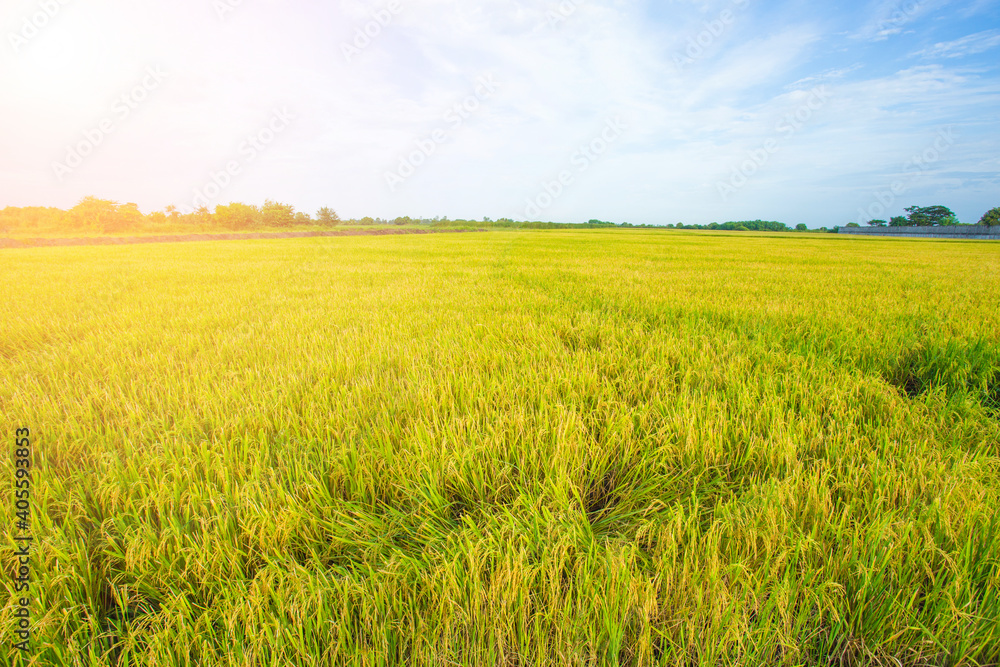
x,y
932,216
93,215
743,226
103,216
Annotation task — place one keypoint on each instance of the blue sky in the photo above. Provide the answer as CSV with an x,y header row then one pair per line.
x,y
646,112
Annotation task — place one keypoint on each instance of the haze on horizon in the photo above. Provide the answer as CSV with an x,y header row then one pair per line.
x,y
638,111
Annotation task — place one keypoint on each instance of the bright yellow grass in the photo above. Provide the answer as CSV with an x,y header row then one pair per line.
x,y
509,448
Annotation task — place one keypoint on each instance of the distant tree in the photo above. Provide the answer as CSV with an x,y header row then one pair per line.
x,y
801,227
171,211
327,216
877,223
991,218
931,216
853,224
277,215
367,220
303,218
93,213
238,216
899,221
128,216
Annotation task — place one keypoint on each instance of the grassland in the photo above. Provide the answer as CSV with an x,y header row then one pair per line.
x,y
512,448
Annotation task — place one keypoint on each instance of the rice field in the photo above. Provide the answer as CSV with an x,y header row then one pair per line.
x,y
602,447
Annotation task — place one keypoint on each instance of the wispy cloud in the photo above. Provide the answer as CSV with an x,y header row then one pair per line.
x,y
891,17
976,7
966,46
835,74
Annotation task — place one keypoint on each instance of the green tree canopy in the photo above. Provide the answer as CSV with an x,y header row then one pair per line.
x,y
931,216
742,225
991,218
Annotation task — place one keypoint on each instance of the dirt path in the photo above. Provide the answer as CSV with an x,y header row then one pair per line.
x,y
187,238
